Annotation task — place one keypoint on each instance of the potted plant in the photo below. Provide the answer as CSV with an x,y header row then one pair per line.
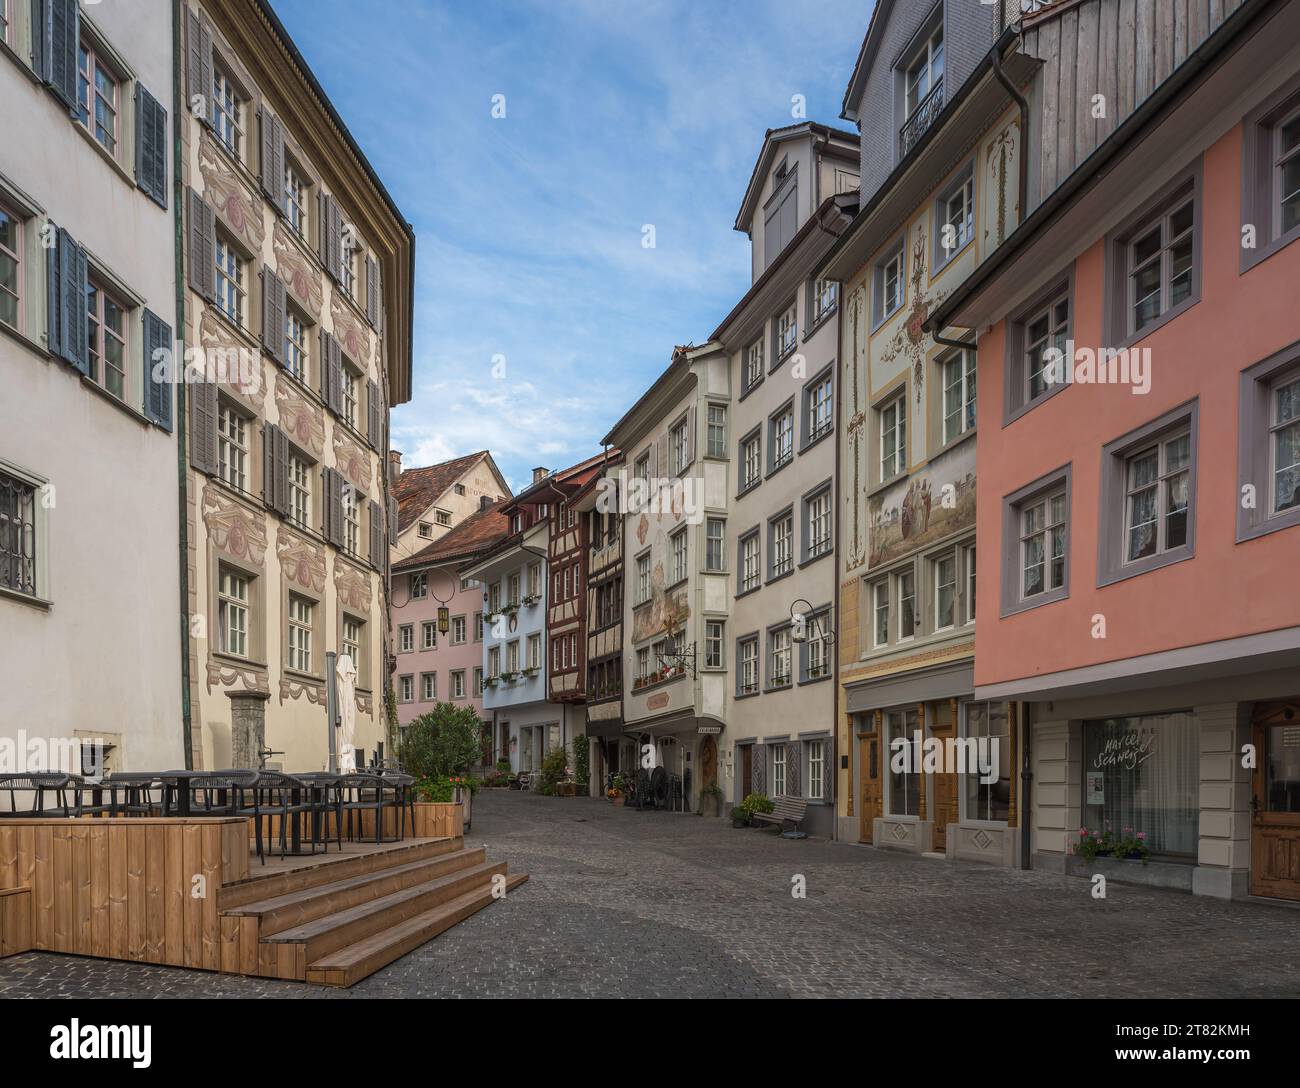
x,y
508,676
711,800
617,792
532,599
531,671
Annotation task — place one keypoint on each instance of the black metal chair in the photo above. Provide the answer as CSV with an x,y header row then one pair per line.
x,y
131,793
326,793
364,792
286,796
38,784
403,799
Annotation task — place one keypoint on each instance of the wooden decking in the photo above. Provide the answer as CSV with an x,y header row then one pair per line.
x,y
189,893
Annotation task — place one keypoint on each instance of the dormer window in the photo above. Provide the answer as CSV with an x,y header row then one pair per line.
x,y
923,78
426,530
778,175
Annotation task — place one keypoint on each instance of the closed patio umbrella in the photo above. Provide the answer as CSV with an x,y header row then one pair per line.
x,y
346,672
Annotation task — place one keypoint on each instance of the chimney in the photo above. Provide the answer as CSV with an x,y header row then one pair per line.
x,y
539,474
394,465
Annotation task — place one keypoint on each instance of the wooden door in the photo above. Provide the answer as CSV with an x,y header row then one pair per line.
x,y
869,782
746,771
1275,802
708,762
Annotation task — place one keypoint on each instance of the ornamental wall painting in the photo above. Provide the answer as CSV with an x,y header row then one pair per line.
x,y
909,342
293,687
229,361
352,461
856,431
932,503
1001,154
301,561
233,529
222,188
225,674
352,338
352,587
300,275
301,419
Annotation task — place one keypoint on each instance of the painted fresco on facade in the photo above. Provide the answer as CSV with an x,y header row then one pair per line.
x,y
932,503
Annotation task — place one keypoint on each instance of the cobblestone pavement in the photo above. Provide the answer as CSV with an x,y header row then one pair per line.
x,y
625,903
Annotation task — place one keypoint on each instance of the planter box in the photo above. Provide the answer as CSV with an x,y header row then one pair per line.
x,y
1155,874
436,819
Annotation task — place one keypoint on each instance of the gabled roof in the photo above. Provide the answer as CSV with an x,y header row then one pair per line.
x,y
562,483
417,489
862,66
476,534
767,153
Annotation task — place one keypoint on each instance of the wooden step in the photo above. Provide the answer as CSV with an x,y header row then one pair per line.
x,y
354,962
334,931
311,872
298,907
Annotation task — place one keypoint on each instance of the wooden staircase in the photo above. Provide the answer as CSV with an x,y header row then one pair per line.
x,y
336,921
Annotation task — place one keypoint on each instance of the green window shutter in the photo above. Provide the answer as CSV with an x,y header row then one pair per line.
x,y
203,426
273,315
40,35
198,65
53,309
150,146
376,417
376,535
60,48
273,159
158,356
372,291
203,247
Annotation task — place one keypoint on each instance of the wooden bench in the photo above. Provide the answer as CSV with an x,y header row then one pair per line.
x,y
787,811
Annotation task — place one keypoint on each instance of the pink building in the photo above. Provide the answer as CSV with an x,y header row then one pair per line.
x,y
437,663
1139,522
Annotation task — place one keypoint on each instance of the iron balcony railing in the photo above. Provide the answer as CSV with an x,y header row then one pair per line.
x,y
922,117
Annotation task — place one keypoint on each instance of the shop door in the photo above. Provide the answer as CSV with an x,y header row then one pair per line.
x,y
869,781
708,762
1275,802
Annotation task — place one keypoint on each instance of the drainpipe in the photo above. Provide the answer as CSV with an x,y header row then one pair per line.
x,y
1023,164
179,113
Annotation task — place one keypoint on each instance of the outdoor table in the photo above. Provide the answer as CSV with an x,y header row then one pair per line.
x,y
176,785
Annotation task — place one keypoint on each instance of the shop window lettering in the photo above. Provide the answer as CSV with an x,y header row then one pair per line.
x,y
1128,751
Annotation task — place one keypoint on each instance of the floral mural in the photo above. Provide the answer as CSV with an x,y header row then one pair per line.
x,y
302,277
225,191
301,419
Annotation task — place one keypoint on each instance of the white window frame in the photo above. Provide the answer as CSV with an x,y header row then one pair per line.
x,y
301,616
957,373
893,437
234,610
1045,534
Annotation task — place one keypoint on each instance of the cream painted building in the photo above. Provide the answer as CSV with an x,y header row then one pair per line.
x,y
90,608
299,277
435,499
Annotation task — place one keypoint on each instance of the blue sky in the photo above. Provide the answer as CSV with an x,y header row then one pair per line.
x,y
529,227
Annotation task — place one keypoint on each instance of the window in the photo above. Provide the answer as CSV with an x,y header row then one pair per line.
x,y
494,662
753,365
349,264
782,549
512,588
406,638
715,531
443,517
717,438
893,437
406,689
888,287
904,794
1148,496
778,770
478,680
957,375
295,344
428,635
925,71
1036,554
778,675
227,112
643,578
751,460
419,586
968,555
1160,275
494,598
352,640
1046,334
478,626
534,579
351,521
426,530
787,332
1270,180
1042,545
232,611
819,410
97,98
295,199
713,635
18,539
906,583
748,677
458,630
944,570
750,573
351,395
679,547
458,684
1284,443
880,613
955,214
817,525
5,19
428,686
989,725
106,337
459,489
814,787
232,447
641,469
643,664
781,442
534,651
230,281
11,268
825,293
679,446
299,491
512,656
564,596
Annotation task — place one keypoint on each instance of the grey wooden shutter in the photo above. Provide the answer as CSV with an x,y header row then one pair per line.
x,y
828,771
203,426
203,247
273,159
331,373
198,62
62,40
690,435
275,468
661,455
376,535
794,770
332,225
392,518
53,305
759,769
67,302
375,417
273,315
334,507
150,146
157,356
39,27
372,291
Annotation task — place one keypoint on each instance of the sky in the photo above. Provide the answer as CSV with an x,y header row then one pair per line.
x,y
541,316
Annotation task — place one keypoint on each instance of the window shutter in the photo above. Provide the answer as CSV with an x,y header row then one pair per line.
x,y
760,769
372,291
273,159
334,365
273,315
690,435
392,518
53,308
63,41
376,535
661,455
828,771
198,62
150,146
275,468
794,770
331,240
68,298
40,28
203,426
334,507
157,352
203,247
376,417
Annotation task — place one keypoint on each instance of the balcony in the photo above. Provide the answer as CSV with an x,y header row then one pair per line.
x,y
922,117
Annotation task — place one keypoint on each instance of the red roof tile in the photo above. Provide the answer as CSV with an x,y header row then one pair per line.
x,y
475,534
419,488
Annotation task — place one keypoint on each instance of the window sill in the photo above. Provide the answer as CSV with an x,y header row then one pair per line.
x,y
750,487
777,468
778,577
104,153
885,318
771,688
1134,338
747,695
1037,601
1145,565
818,322
746,592
815,679
816,439
7,50
1252,257
784,357
250,341
954,442
746,392
241,662
1283,519
299,675
680,582
885,485
26,341
1028,406
40,604
937,269
816,558
121,405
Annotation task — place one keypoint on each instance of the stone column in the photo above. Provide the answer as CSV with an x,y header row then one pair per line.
x,y
1223,853
1055,818
247,727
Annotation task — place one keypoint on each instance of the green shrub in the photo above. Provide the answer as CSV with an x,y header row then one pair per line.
x,y
503,765
554,767
581,760
441,743
756,802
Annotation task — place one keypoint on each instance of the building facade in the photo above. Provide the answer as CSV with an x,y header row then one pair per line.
x,y
89,559
297,309
939,194
1141,514
777,539
433,500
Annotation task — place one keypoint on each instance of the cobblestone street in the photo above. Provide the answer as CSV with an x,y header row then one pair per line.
x,y
626,903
